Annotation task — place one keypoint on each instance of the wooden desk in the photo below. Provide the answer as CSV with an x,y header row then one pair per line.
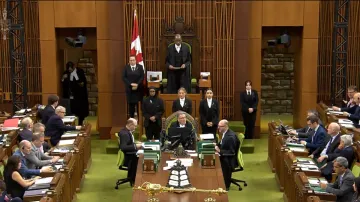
x,y
199,178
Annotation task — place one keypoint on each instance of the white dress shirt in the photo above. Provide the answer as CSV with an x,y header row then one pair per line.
x,y
182,102
73,75
209,101
178,48
133,68
181,126
248,92
323,153
223,135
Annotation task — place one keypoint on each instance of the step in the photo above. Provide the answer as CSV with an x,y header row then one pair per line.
x,y
237,126
248,146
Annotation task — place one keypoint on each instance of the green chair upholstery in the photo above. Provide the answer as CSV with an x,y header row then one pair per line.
x,y
240,160
356,169
120,165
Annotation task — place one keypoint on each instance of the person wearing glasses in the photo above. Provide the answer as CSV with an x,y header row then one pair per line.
x,y
351,104
153,109
55,126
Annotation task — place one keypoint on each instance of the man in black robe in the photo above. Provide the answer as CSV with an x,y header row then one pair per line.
x,y
153,109
75,87
133,76
178,61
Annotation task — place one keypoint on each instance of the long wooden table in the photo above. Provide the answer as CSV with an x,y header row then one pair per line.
x,y
199,178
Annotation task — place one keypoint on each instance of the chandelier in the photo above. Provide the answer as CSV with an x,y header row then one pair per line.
x,y
4,24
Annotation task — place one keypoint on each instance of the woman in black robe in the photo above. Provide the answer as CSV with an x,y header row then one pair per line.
x,y
153,109
209,114
75,89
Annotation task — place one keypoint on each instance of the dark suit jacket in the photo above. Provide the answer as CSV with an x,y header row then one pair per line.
x,y
152,107
344,191
129,77
350,110
186,55
228,148
317,140
209,114
176,124
305,132
25,134
331,148
347,152
47,113
24,170
55,128
127,145
355,117
187,106
249,103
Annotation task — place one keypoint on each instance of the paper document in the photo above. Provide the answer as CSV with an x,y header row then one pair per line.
x,y
58,166
141,151
61,150
207,136
297,149
347,126
70,135
45,180
314,181
23,111
193,154
346,121
19,116
9,128
66,142
336,113
68,120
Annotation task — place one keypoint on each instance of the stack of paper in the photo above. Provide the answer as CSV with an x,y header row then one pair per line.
x,y
45,180
9,128
19,116
61,150
184,162
345,121
347,126
207,136
66,142
297,149
23,111
70,135
336,113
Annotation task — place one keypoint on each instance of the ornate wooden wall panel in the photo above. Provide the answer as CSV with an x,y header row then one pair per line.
x,y
32,53
325,47
214,25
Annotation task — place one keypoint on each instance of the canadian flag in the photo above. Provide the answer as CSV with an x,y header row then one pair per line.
x,y
135,48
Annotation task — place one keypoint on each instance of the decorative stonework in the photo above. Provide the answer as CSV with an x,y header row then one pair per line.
x,y
277,83
89,68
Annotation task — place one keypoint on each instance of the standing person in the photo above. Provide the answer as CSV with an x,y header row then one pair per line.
x,y
133,77
182,103
153,109
178,61
75,86
209,114
249,101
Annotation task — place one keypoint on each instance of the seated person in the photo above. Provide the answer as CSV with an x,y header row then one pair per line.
x,y
37,158
331,144
343,185
344,150
26,133
306,131
153,109
49,111
182,103
353,113
40,128
318,139
55,127
356,186
209,114
4,197
181,122
25,149
352,105
129,148
15,184
227,148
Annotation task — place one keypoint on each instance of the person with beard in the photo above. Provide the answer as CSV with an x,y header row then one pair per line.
x,y
209,114
153,109
75,89
356,187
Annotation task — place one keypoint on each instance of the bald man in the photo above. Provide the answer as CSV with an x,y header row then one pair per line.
x,y
178,62
129,148
25,149
331,144
26,133
227,148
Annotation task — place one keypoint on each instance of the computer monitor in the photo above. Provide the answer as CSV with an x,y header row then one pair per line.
x,y
179,136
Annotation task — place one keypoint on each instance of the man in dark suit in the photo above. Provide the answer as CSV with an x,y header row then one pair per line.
x,y
53,101
182,123
182,103
129,148
318,139
25,149
344,150
133,76
351,91
40,128
353,113
306,131
332,143
249,100
153,109
55,127
26,133
343,185
209,114
227,149
178,61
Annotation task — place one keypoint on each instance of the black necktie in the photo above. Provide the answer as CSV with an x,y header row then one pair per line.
x,y
248,92
133,68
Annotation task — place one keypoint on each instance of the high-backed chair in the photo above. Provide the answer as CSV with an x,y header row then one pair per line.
x,y
166,122
240,161
120,165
